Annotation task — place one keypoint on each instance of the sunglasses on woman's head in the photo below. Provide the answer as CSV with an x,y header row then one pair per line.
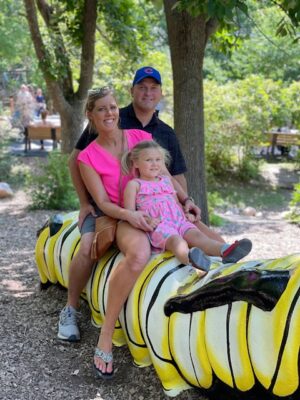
x,y
100,91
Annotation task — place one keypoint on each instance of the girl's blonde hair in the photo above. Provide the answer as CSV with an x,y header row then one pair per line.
x,y
129,157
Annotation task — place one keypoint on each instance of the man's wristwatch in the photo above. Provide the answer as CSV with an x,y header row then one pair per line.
x,y
186,199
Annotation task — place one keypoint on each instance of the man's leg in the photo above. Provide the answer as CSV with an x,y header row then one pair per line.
x,y
209,232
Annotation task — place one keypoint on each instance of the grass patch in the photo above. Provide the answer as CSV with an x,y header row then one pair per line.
x,y
242,195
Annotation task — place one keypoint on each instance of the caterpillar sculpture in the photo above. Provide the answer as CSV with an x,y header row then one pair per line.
x,y
237,329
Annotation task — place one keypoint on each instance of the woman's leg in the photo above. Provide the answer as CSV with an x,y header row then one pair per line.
x,y
135,246
79,273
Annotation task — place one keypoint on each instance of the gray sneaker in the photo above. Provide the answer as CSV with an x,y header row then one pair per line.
x,y
67,327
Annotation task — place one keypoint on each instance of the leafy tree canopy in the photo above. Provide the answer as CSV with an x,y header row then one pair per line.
x,y
262,52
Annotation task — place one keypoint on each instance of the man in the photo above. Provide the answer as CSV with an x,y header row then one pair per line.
x,y
146,93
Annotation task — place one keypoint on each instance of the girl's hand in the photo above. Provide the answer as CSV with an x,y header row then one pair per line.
x,y
139,220
84,211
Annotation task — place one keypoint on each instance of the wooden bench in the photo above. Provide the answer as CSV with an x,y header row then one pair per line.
x,y
42,132
286,139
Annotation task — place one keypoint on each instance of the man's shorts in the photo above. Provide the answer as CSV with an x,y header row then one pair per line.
x,y
89,222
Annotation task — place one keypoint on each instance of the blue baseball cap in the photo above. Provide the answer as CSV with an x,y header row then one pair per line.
x,y
146,72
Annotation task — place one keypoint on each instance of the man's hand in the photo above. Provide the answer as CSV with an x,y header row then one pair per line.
x,y
190,207
85,210
190,217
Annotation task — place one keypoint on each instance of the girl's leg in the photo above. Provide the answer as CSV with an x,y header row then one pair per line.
x,y
229,253
135,246
179,247
196,238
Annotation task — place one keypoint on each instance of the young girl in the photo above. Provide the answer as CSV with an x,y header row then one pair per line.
x,y
153,192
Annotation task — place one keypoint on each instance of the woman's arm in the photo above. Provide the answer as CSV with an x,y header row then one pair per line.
x,y
94,185
85,205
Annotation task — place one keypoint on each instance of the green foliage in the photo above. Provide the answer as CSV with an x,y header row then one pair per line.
x,y
215,201
15,43
123,24
260,51
12,169
235,195
236,115
52,188
295,205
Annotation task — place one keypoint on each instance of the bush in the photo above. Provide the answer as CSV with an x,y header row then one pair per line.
x,y
12,170
236,115
295,205
214,201
52,188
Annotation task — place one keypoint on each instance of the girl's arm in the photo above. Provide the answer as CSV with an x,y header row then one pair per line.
x,y
130,195
94,185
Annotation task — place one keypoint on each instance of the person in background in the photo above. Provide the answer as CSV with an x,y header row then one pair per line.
x,y
146,93
24,107
40,102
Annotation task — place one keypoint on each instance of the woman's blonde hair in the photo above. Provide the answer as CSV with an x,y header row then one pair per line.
x,y
93,96
129,157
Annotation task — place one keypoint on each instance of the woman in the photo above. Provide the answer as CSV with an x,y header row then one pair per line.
x,y
100,169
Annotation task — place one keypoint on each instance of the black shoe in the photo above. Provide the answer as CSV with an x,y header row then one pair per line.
x,y
199,260
238,250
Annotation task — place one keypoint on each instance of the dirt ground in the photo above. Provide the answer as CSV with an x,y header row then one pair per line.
x,y
34,364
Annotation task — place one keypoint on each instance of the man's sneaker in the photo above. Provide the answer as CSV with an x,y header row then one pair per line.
x,y
67,327
199,260
238,250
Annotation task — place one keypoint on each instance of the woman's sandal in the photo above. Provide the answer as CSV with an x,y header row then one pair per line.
x,y
107,358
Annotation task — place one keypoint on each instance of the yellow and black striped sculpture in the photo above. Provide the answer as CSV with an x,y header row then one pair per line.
x,y
237,330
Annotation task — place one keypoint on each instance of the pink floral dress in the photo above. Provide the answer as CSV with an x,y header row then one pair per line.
x,y
157,198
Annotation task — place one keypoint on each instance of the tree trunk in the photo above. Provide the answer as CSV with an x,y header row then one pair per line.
x,y
67,103
187,40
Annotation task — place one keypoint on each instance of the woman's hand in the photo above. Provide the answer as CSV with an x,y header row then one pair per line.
x,y
190,207
85,210
153,222
139,220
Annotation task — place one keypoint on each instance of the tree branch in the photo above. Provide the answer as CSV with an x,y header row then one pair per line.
x,y
47,12
42,54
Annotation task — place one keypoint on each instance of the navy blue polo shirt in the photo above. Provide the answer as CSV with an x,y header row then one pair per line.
x,y
161,132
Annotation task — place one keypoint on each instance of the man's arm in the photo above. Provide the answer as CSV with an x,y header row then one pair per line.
x,y
180,178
